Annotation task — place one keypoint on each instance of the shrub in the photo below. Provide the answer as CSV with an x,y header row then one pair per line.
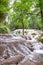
x,y
4,29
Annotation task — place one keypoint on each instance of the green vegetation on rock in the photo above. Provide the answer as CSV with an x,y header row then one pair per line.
x,y
40,38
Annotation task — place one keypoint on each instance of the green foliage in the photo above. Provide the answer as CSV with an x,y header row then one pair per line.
x,y
3,12
22,12
35,22
20,16
26,14
18,24
4,29
3,9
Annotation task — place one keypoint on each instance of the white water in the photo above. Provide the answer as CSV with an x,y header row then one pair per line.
x,y
21,48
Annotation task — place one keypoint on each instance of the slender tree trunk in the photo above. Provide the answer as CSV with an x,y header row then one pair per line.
x,y
22,21
23,27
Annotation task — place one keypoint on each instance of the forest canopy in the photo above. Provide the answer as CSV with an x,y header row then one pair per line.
x,y
22,14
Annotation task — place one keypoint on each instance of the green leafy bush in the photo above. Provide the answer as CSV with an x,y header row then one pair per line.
x,y
4,29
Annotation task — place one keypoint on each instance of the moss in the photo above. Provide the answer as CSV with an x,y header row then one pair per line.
x,y
40,38
33,33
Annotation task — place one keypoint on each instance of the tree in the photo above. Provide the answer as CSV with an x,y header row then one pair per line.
x,y
21,9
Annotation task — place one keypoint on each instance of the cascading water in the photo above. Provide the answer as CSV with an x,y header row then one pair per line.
x,y
10,46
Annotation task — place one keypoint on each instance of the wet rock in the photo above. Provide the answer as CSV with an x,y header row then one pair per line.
x,y
2,48
11,60
23,45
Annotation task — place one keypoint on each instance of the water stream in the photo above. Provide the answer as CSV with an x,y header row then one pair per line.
x,y
10,47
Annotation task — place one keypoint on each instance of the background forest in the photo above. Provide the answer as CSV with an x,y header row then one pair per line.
x,y
21,14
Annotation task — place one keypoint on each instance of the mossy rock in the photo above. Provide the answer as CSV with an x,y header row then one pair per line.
x,y
33,33
42,34
40,38
26,32
18,32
